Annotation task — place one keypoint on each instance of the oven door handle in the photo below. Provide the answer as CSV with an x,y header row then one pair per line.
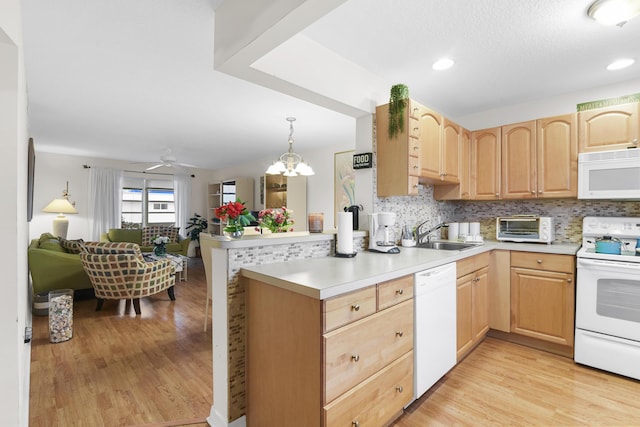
x,y
599,262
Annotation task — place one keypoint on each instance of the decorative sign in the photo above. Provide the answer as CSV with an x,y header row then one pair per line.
x,y
363,161
607,102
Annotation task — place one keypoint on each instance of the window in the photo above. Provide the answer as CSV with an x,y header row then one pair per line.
x,y
147,202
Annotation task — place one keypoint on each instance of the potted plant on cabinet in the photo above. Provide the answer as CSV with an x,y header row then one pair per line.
x,y
397,102
196,225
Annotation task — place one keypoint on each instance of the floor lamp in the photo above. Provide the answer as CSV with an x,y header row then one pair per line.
x,y
60,223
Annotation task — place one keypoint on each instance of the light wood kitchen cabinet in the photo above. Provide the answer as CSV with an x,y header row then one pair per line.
x,y
609,128
439,148
472,320
398,159
542,296
485,164
540,158
518,161
459,191
319,363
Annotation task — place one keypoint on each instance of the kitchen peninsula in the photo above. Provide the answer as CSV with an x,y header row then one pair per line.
x,y
303,265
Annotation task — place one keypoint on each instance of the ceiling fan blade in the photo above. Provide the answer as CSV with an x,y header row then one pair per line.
x,y
150,168
187,165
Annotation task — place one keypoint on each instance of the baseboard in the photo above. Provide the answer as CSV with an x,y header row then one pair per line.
x,y
561,350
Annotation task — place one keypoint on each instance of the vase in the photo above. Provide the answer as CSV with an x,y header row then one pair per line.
x,y
236,233
160,250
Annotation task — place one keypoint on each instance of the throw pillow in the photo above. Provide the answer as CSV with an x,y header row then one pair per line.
x,y
45,237
50,242
172,234
151,232
72,246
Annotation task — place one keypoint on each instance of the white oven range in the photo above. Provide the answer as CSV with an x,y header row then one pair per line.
x,y
607,334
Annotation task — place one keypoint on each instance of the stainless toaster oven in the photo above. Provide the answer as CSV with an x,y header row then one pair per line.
x,y
525,228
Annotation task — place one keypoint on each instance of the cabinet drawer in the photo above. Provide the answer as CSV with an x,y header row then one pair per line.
x,y
394,292
471,264
376,400
347,308
539,261
358,350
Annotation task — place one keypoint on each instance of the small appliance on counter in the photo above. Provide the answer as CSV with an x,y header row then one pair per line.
x,y
525,228
382,236
355,211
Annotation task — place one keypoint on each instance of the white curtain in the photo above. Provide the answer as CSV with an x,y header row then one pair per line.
x,y
182,195
105,200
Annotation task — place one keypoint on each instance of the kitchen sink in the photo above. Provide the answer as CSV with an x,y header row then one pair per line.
x,y
447,245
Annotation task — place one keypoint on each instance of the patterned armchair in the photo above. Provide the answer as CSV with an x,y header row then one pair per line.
x,y
119,271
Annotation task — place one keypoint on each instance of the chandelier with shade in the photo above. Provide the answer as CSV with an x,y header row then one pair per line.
x,y
290,163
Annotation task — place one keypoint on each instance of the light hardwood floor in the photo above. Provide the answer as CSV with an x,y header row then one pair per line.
x,y
156,370
125,370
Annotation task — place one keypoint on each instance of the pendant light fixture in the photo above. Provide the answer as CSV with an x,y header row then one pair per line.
x,y
290,163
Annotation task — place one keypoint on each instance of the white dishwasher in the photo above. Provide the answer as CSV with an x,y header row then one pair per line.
x,y
434,326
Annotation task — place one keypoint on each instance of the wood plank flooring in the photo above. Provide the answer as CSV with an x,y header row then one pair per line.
x,y
156,370
502,383
125,370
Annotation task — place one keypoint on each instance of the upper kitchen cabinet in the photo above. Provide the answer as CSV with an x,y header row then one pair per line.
x,y
485,164
398,158
518,161
459,191
439,148
557,156
609,128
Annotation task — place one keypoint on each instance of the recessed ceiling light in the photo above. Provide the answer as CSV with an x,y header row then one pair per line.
x,y
620,64
443,64
614,12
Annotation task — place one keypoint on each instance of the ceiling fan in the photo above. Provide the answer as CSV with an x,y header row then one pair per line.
x,y
168,160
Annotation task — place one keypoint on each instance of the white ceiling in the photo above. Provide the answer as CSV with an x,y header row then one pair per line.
x,y
127,79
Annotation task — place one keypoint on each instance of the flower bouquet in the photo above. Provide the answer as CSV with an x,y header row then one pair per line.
x,y
276,220
236,215
160,245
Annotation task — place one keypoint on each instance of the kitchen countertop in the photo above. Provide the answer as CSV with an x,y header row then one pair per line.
x,y
327,277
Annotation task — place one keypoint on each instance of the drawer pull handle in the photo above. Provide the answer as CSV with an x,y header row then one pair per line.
x,y
355,358
355,307
539,261
355,423
399,389
399,334
400,291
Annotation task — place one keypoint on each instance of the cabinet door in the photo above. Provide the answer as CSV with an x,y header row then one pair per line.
x,y
609,128
479,304
485,164
542,305
519,161
557,156
430,139
464,336
450,155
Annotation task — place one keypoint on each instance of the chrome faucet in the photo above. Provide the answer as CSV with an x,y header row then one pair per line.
x,y
420,235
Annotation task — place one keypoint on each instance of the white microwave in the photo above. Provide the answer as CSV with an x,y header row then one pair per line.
x,y
525,228
609,174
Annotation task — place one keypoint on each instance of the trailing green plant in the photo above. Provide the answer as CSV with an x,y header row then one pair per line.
x,y
197,224
397,102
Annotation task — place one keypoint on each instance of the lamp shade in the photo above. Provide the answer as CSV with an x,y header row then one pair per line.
x,y
62,206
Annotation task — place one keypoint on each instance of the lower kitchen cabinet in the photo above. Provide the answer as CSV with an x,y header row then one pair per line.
x,y
542,297
472,321
346,360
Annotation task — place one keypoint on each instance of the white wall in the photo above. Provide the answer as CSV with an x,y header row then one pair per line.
x,y
52,171
547,107
14,304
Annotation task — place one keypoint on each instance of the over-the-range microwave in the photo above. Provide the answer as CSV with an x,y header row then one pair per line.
x,y
525,228
609,174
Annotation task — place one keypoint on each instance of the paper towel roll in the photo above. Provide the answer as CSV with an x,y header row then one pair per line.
x,y
345,233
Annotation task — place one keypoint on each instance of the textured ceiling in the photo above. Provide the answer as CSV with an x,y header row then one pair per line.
x,y
128,79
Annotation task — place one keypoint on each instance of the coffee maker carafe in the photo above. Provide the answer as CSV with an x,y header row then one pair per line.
x,y
382,235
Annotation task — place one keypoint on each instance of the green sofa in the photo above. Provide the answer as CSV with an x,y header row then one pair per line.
x,y
55,267
180,246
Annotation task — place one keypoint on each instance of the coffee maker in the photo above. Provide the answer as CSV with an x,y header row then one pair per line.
x,y
382,236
